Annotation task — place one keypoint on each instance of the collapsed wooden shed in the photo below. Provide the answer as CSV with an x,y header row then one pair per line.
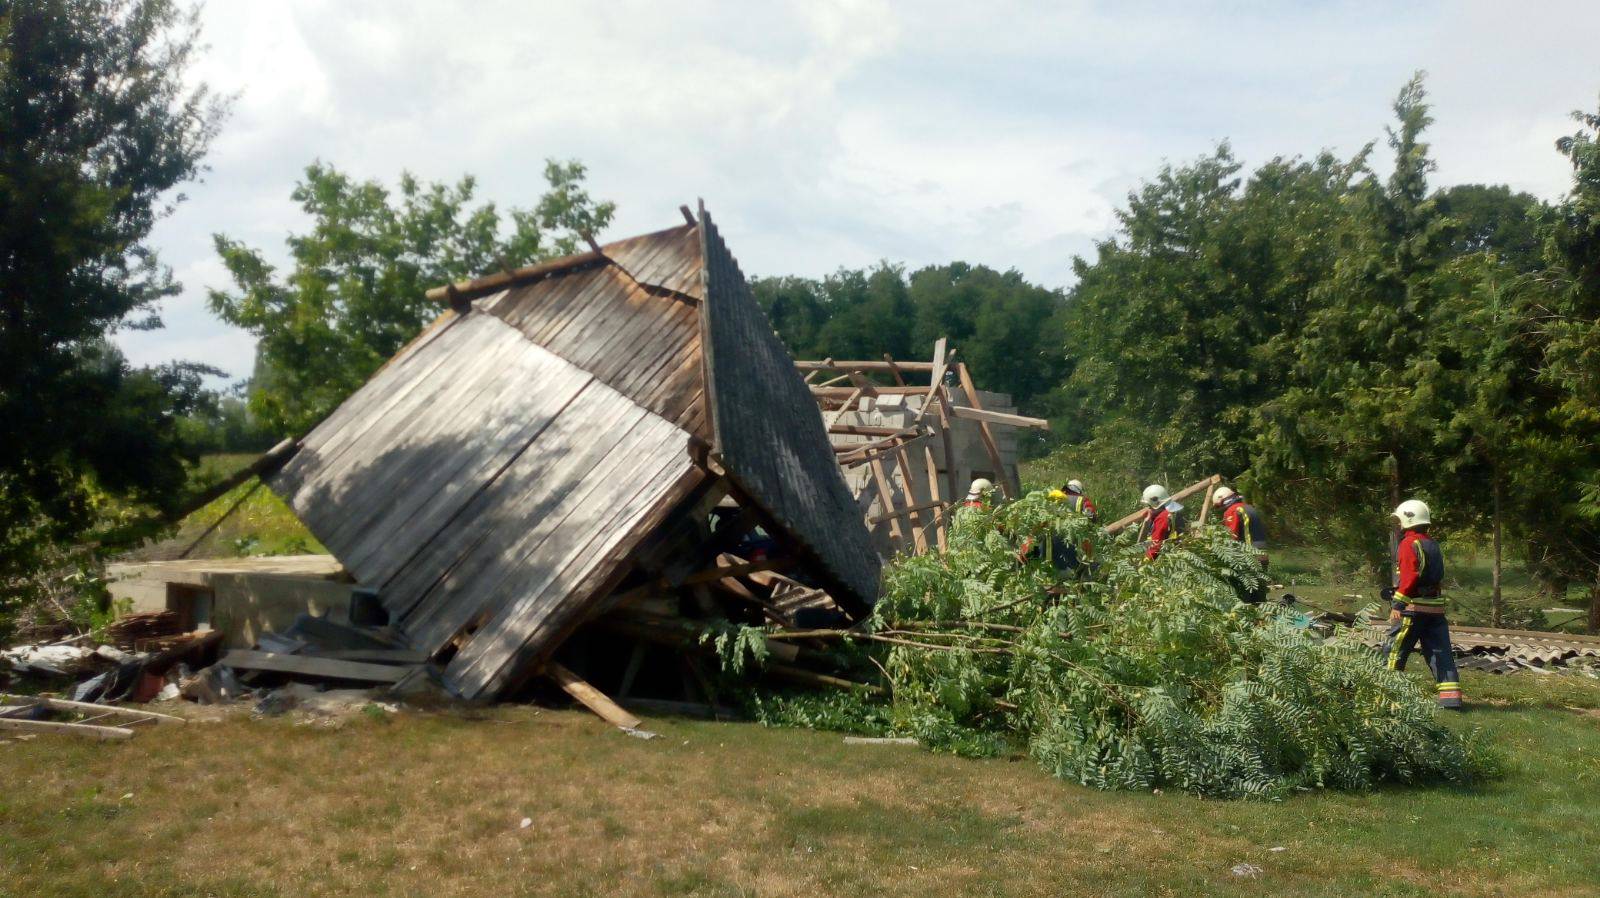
x,y
552,445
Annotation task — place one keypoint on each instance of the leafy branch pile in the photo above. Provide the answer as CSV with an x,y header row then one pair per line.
x,y
1131,676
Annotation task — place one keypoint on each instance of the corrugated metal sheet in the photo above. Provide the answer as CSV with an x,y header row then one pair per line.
x,y
768,433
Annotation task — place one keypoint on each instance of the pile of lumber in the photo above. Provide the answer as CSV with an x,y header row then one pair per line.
x,y
135,629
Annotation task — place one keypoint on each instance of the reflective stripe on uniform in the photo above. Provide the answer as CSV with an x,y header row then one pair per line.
x,y
1399,641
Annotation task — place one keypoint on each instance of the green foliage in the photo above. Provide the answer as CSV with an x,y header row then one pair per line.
x,y
1005,327
1142,674
355,294
737,644
98,123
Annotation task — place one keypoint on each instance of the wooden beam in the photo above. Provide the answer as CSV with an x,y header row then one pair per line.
x,y
886,500
590,697
311,666
833,422
918,537
1121,524
894,370
864,431
937,378
989,445
940,537
978,414
911,510
69,729
823,391
61,704
466,291
873,367
1205,504
737,570
867,387
892,445
266,463
943,397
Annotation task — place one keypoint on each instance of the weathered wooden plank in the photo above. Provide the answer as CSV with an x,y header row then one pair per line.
x,y
61,704
525,398
91,731
978,414
590,697
942,539
544,496
544,586
307,665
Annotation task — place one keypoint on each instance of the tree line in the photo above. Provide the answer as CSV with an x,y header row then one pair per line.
x,y
1332,336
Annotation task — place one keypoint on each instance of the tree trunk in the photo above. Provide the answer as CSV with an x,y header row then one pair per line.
x,y
1495,606
1594,603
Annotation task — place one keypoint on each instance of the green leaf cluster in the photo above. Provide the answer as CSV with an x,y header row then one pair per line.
x,y
1130,674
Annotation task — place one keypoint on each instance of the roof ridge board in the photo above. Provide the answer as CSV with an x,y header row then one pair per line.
x,y
468,290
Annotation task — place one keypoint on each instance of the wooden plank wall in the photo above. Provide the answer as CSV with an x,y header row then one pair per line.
x,y
601,319
483,478
768,434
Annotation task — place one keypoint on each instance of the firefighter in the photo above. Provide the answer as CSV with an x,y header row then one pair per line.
x,y
1072,493
1163,516
978,494
1418,610
1246,525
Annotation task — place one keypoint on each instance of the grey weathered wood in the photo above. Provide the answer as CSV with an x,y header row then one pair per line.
x,y
306,665
66,729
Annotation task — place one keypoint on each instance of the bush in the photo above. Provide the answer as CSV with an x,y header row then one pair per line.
x,y
1137,675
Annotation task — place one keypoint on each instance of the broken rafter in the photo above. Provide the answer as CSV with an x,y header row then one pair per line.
x,y
873,367
745,569
985,434
1180,495
988,417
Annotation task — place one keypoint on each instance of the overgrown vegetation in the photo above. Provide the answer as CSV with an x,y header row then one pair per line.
x,y
1127,674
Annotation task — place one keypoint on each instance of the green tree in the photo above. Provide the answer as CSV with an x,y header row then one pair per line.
x,y
1493,219
98,123
355,294
1187,320
1359,426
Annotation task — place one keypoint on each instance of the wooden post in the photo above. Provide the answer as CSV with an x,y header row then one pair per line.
x,y
1002,476
886,496
938,377
914,521
1118,525
949,445
933,492
1205,507
894,370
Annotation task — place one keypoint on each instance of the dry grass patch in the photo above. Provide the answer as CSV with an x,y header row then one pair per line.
x,y
430,803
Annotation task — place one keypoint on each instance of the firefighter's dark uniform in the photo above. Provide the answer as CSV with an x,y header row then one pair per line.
x,y
1247,525
1419,598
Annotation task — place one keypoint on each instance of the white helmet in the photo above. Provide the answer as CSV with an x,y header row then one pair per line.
x,y
1074,486
979,487
1155,495
1222,495
1412,513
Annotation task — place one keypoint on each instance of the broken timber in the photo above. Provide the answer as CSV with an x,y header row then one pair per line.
x,y
876,425
507,473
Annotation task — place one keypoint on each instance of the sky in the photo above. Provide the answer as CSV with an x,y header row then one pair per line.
x,y
838,133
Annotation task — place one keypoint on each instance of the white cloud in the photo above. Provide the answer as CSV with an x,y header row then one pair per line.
x,y
824,134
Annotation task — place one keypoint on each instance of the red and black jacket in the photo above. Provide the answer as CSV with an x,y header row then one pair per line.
x,y
1164,525
1244,522
1420,566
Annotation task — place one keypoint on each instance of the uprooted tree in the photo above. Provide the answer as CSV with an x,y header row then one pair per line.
x,y
1122,674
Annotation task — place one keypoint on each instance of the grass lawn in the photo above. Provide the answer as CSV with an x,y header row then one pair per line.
x,y
429,803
